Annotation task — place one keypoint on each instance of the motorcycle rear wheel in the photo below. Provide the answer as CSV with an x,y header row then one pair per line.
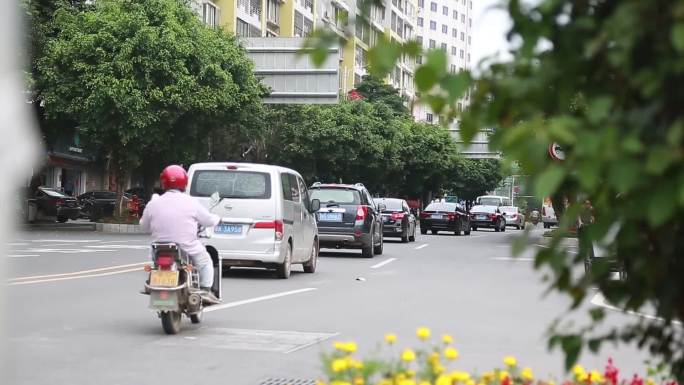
x,y
171,321
196,318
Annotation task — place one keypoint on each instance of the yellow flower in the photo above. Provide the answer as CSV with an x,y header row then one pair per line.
x,y
459,376
650,381
354,364
597,377
443,380
470,382
340,383
423,333
450,353
578,371
407,381
408,355
411,373
339,345
359,381
527,375
385,382
503,375
447,339
438,369
550,383
424,383
339,365
510,361
487,377
319,382
349,347
390,338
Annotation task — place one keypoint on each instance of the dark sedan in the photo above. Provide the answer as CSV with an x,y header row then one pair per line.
x,y
48,202
487,216
97,204
444,216
397,219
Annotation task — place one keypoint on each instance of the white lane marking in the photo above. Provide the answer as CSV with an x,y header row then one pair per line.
x,y
77,272
257,299
521,259
599,300
476,236
65,240
134,247
383,263
67,251
17,244
22,255
74,277
421,246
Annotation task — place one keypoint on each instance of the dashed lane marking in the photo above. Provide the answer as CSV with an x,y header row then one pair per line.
x,y
514,259
383,263
22,255
257,299
421,246
599,300
74,277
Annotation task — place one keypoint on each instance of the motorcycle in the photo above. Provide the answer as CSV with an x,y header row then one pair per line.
x,y
534,217
174,286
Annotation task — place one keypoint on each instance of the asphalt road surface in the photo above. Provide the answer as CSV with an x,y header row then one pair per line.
x,y
76,317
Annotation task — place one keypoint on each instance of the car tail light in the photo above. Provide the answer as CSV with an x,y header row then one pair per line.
x,y
165,261
60,202
231,167
452,216
492,217
275,225
424,215
397,216
361,213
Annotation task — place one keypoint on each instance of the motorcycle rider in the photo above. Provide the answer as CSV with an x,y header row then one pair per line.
x,y
175,216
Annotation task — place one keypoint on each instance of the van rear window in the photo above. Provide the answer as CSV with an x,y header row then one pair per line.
x,y
231,184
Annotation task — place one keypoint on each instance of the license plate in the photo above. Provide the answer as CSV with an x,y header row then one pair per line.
x,y
436,216
330,217
481,217
386,219
224,228
163,278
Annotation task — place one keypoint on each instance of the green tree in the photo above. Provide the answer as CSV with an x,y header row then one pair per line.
x,y
375,90
599,79
470,178
143,79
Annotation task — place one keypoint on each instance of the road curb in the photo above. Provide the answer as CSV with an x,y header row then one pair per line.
x,y
60,226
117,228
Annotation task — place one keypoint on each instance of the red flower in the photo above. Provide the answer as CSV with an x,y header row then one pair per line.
x,y
354,95
506,381
611,373
636,380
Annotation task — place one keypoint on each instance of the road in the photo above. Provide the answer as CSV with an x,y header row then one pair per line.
x,y
75,315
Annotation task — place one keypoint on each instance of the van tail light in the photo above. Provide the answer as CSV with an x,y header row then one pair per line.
x,y
361,213
275,225
397,216
165,261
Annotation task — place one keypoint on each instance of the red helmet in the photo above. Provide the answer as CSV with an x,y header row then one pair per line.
x,y
174,177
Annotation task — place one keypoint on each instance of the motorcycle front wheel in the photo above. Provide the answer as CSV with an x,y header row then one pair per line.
x,y
171,321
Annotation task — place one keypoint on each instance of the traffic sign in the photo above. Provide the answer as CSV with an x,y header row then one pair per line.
x,y
556,152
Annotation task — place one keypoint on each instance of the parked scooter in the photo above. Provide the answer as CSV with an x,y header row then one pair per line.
x,y
534,217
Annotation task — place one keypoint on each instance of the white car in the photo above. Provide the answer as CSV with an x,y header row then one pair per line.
x,y
513,216
267,218
492,200
548,215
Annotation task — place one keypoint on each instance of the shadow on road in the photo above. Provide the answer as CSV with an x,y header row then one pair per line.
x,y
255,273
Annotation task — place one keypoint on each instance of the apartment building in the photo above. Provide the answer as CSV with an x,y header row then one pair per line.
x,y
259,18
445,25
395,19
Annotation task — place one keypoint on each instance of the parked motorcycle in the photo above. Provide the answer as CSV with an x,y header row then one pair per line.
x,y
534,217
174,286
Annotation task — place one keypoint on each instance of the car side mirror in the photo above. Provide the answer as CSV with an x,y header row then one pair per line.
x,y
315,205
382,207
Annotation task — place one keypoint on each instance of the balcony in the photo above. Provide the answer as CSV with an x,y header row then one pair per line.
x,y
250,11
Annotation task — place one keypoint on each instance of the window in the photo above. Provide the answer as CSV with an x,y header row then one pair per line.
x,y
454,32
453,51
453,68
462,55
445,29
445,11
455,14
231,184
433,7
470,4
468,58
463,18
242,28
470,22
420,21
460,107
462,36
336,195
433,25
432,43
419,59
428,117
444,47
468,39
421,3
419,40
298,24
290,188
308,5
273,11
209,14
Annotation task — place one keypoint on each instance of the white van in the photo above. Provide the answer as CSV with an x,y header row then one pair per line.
x,y
267,218
493,200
